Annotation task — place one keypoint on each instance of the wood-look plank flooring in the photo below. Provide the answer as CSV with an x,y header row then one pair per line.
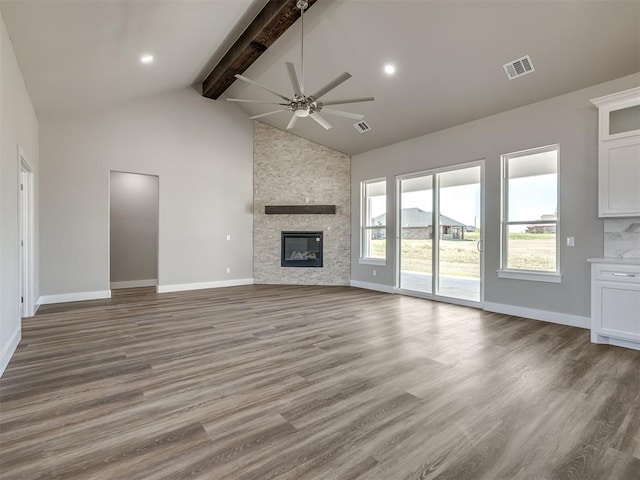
x,y
331,383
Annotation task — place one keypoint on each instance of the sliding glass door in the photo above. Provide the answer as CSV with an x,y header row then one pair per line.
x,y
459,243
415,222
440,233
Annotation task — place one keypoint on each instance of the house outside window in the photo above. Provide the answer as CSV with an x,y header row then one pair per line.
x,y
373,246
530,219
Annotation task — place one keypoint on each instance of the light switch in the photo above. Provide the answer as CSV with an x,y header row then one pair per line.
x,y
228,237
571,241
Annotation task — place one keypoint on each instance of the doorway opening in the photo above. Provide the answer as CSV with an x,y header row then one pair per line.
x,y
26,237
133,230
440,234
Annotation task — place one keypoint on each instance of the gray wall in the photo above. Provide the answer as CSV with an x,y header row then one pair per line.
x,y
133,227
289,170
18,126
202,151
569,120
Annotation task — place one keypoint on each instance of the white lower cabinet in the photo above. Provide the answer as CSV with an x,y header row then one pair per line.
x,y
615,304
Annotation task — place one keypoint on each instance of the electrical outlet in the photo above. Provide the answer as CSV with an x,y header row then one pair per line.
x,y
374,273
228,269
571,241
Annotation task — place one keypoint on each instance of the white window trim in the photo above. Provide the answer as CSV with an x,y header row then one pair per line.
x,y
531,275
372,261
514,273
364,227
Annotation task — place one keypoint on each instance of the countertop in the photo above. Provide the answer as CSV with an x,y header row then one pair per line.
x,y
619,261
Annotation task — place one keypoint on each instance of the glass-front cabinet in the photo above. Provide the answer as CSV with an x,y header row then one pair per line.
x,y
619,154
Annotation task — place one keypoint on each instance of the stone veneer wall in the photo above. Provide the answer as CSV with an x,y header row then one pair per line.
x,y
289,170
622,237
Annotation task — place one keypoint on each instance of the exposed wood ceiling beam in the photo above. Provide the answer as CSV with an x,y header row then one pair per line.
x,y
273,20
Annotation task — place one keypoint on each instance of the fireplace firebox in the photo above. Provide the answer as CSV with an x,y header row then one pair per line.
x,y
301,249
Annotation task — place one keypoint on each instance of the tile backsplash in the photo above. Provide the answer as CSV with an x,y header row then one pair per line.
x,y
622,237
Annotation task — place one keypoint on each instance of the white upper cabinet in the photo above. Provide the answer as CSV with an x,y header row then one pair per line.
x,y
619,154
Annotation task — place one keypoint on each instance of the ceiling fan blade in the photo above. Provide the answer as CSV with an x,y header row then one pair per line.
x,y
293,76
349,100
340,113
253,82
253,101
265,114
292,122
320,120
331,85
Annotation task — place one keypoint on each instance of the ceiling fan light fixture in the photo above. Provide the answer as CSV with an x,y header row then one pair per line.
x,y
301,105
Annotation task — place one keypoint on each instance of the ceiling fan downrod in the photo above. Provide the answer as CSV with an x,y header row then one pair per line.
x,y
302,5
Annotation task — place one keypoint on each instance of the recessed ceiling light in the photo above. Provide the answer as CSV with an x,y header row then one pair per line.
x,y
146,59
389,69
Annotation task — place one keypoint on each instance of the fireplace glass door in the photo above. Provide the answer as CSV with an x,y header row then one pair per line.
x,y
301,249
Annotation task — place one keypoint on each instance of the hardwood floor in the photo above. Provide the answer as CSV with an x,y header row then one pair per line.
x,y
266,382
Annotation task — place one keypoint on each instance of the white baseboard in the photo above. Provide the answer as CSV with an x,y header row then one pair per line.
x,y
544,315
74,297
378,287
182,287
10,349
150,282
624,343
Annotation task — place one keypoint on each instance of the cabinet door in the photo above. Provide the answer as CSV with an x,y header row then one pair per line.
x,y
617,310
619,177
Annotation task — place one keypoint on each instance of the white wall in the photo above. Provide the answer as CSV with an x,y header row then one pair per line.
x,y
569,120
133,229
18,126
202,152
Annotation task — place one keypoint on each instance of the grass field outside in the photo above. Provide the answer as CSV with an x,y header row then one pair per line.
x,y
460,258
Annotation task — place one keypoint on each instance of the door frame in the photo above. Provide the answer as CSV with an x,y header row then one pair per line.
x,y
26,225
133,284
436,229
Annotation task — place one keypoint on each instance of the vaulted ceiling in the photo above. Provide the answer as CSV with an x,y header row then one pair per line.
x,y
78,55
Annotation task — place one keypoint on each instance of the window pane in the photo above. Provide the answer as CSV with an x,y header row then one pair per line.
x,y
532,247
532,196
416,233
375,203
374,214
533,187
375,243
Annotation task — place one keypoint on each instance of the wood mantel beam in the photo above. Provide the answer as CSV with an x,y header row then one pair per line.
x,y
273,20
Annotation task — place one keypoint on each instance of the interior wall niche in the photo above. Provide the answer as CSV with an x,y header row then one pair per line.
x,y
292,171
133,233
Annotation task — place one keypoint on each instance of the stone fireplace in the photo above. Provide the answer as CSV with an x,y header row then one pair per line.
x,y
298,180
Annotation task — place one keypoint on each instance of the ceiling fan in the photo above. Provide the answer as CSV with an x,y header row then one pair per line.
x,y
300,104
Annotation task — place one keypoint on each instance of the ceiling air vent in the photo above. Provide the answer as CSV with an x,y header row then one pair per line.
x,y
362,127
519,67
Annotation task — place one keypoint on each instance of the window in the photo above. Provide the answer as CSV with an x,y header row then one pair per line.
x,y
374,221
530,215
